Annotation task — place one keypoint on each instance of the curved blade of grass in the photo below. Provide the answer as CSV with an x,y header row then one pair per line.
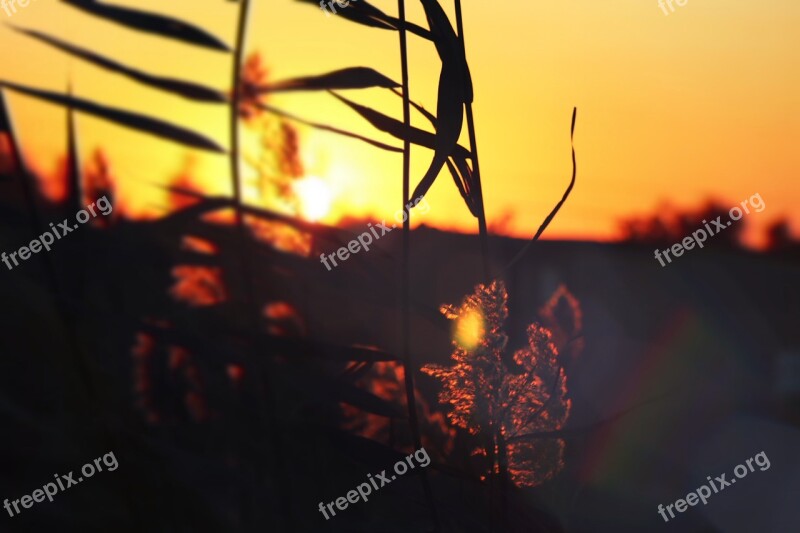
x,y
362,12
7,128
346,78
332,129
448,46
134,121
302,348
450,117
457,179
462,177
477,195
424,112
455,90
144,21
357,397
471,180
76,190
552,214
396,128
456,165
185,89
273,345
209,204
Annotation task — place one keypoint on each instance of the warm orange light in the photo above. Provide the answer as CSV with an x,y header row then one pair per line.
x,y
469,329
315,197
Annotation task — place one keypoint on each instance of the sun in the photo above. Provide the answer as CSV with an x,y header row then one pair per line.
x,y
315,197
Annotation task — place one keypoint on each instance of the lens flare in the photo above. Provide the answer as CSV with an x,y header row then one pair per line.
x,y
470,329
315,198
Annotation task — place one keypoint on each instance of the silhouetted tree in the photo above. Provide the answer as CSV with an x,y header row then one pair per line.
x,y
671,226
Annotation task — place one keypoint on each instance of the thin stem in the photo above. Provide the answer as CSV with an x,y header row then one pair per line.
x,y
263,391
473,145
405,282
406,258
238,59
502,461
497,438
552,214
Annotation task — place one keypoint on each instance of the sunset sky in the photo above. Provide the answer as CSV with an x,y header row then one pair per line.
x,y
703,102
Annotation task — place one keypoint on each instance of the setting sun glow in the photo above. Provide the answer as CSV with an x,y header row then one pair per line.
x,y
315,198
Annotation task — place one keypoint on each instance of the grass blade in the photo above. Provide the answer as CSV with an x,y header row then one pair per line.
x,y
134,121
396,128
362,12
455,90
185,89
347,78
552,214
168,27
331,129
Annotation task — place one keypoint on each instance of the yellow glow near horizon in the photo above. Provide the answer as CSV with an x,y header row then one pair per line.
x,y
315,197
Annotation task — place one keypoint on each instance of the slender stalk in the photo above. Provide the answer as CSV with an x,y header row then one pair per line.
x,y
405,283
552,214
238,60
496,439
502,461
473,144
263,391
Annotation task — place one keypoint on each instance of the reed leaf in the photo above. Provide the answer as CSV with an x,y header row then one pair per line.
x,y
364,450
324,127
134,121
366,401
303,348
455,90
347,78
7,128
552,214
457,165
448,46
275,345
185,89
74,174
424,112
396,128
462,185
362,12
147,22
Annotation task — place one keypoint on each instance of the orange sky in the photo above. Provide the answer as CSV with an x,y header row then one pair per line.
x,y
702,102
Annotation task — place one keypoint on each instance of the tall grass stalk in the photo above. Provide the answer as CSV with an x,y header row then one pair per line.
x,y
262,389
473,146
497,438
405,274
